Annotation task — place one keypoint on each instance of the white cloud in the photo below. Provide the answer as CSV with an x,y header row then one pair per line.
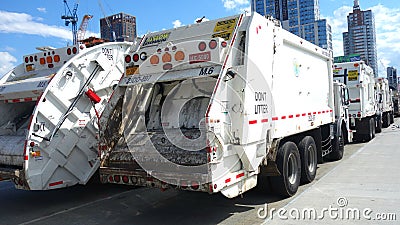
x,y
26,24
43,10
177,23
234,4
6,62
387,22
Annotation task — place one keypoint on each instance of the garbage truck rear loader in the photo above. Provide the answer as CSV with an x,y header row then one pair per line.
x,y
49,108
207,107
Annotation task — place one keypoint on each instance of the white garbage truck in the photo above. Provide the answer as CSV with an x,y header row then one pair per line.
x,y
210,106
384,101
49,107
359,79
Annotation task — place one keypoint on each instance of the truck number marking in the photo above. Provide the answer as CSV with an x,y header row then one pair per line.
x,y
42,84
262,108
200,57
138,79
108,52
206,71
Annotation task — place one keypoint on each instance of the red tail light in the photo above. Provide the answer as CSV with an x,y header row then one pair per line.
x,y
128,59
135,57
213,44
202,46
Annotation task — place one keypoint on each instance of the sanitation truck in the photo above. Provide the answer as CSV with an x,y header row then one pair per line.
x,y
363,111
210,106
384,101
49,107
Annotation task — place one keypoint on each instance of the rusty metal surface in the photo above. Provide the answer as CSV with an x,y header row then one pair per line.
x,y
12,150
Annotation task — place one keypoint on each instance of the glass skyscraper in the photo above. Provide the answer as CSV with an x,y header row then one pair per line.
x,y
300,17
361,37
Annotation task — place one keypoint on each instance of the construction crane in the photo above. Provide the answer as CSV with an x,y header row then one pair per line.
x,y
107,21
83,27
71,17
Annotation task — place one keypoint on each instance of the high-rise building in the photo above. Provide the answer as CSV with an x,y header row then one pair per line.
x,y
360,37
118,27
300,17
392,77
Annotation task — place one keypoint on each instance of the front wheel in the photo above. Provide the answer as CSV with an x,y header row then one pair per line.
x,y
337,149
289,165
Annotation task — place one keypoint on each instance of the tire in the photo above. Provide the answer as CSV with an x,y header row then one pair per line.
x,y
371,128
378,127
289,165
386,120
391,117
338,149
308,157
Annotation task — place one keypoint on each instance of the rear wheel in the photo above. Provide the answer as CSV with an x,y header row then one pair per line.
x,y
378,127
386,120
289,165
308,156
391,117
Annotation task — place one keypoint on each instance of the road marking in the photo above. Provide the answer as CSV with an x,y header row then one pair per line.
x,y
77,207
309,188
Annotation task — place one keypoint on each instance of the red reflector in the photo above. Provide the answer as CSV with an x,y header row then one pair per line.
x,y
26,157
110,179
32,144
26,59
227,180
239,175
195,185
55,183
291,116
31,58
117,178
253,122
69,51
136,57
274,118
74,50
202,46
224,44
125,179
128,59
283,117
167,66
93,96
213,44
264,121
184,184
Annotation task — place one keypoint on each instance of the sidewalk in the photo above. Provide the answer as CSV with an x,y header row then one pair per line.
x,y
363,189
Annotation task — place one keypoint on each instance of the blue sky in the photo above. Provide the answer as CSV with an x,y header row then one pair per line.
x,y
28,24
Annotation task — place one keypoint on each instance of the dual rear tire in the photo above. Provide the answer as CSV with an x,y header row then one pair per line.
x,y
296,164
